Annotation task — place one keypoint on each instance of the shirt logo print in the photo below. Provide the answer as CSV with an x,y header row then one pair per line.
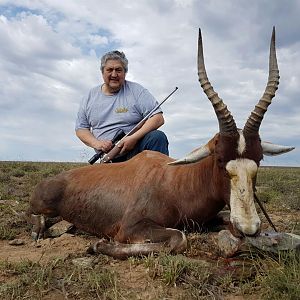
x,y
121,110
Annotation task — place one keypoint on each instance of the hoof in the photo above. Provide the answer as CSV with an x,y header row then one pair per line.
x,y
34,236
94,248
38,229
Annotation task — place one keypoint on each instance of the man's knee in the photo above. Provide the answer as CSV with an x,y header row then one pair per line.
x,y
156,140
157,135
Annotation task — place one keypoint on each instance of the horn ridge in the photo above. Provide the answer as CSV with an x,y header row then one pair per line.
x,y
253,123
225,119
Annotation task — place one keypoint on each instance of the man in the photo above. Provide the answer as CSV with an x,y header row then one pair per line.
x,y
119,104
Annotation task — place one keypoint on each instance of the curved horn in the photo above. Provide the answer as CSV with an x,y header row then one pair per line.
x,y
226,121
274,149
255,119
195,156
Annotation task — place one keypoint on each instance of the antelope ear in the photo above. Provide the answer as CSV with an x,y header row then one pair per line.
x,y
195,156
273,149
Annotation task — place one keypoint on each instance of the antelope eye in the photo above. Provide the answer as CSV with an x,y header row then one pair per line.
x,y
221,163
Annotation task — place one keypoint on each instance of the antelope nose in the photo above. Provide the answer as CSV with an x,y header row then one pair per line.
x,y
248,229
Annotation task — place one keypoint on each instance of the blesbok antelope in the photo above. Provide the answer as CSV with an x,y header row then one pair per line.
x,y
141,203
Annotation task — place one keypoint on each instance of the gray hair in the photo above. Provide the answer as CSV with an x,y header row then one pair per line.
x,y
114,55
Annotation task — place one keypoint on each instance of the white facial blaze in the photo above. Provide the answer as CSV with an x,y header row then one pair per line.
x,y
243,214
241,143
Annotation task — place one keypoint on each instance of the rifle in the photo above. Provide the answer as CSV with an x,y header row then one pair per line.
x,y
119,135
116,150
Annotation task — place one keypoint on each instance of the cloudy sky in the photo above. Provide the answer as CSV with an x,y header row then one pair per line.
x,y
49,59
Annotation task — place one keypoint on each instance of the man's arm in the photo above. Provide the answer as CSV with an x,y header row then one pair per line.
x,y
87,138
151,124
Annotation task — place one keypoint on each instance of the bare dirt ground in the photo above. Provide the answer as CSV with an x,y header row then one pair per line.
x,y
43,250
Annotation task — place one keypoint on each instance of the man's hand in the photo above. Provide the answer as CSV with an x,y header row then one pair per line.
x,y
87,137
127,144
103,145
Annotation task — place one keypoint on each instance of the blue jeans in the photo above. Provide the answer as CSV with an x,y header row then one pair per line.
x,y
154,140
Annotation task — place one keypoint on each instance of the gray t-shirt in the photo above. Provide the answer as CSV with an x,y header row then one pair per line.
x,y
105,115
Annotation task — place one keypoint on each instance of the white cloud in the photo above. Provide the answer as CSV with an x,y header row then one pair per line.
x,y
49,59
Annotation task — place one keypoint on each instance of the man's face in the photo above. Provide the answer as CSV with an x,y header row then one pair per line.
x,y
113,75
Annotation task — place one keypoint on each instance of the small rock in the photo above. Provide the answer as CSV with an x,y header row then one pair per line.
x,y
16,242
85,262
227,243
58,229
